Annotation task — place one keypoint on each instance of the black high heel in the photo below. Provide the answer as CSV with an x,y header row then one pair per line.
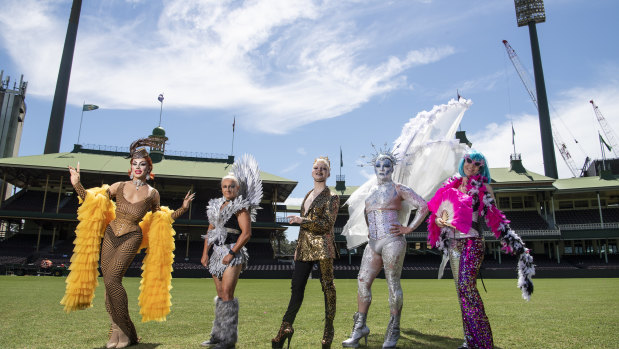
x,y
285,332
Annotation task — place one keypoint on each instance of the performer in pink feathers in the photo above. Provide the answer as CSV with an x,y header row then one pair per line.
x,y
454,229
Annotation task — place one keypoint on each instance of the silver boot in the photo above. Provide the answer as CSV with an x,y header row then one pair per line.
x,y
359,330
393,332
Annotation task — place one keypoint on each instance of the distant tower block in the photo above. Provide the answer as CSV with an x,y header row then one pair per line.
x,y
158,149
12,116
529,12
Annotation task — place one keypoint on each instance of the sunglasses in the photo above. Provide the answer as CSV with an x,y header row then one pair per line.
x,y
475,163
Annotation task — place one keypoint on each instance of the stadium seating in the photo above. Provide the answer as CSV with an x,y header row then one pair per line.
x,y
587,216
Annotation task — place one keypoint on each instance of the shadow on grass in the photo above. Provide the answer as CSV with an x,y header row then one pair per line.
x,y
139,346
411,338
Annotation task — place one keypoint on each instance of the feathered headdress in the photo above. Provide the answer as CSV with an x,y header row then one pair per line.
x,y
246,171
137,149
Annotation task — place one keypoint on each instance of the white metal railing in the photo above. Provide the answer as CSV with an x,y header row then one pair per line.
x,y
338,230
547,232
189,154
281,220
588,226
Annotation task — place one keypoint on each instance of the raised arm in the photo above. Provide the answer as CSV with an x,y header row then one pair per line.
x,y
75,181
79,188
188,199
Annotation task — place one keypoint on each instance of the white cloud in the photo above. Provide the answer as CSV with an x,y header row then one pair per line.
x,y
279,64
576,116
301,151
291,167
366,174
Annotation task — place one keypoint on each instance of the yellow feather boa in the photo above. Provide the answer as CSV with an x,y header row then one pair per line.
x,y
94,215
158,239
96,212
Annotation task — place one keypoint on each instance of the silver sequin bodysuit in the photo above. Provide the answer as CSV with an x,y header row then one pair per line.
x,y
381,208
384,248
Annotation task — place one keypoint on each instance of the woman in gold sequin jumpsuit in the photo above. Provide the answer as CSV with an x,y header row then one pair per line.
x,y
123,236
316,244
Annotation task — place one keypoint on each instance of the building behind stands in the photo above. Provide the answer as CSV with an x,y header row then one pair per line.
x,y
571,225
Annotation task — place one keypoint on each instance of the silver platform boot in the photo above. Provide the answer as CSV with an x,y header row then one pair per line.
x,y
359,330
393,332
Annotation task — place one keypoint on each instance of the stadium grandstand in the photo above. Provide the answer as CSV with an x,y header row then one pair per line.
x,y
37,222
571,225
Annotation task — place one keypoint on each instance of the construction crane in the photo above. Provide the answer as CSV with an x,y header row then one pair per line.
x,y
526,81
608,131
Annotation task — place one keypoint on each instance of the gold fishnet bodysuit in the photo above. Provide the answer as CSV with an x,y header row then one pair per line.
x,y
121,241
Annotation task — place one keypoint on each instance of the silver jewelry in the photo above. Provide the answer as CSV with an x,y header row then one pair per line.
x,y
138,183
131,175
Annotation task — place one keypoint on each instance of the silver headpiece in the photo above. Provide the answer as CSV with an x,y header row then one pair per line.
x,y
380,153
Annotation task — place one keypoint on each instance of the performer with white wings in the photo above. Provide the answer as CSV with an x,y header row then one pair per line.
x,y
423,156
230,218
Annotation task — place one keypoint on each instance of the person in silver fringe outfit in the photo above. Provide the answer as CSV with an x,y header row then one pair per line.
x,y
386,248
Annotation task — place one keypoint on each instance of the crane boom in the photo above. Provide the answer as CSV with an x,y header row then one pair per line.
x,y
526,81
608,131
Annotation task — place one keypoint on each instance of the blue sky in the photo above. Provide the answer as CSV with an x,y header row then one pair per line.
x,y
305,77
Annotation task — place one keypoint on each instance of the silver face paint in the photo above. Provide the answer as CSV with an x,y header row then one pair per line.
x,y
383,169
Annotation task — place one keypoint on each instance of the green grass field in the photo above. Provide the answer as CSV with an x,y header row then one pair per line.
x,y
563,313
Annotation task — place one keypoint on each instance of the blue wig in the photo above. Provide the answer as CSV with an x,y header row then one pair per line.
x,y
475,156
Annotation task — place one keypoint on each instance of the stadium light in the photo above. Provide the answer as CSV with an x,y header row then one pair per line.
x,y
530,11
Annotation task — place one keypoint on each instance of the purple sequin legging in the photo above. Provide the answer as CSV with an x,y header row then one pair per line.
x,y
465,257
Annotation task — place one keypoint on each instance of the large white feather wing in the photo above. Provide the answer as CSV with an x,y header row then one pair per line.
x,y
429,154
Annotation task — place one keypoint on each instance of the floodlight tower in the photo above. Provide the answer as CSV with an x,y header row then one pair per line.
x,y
528,13
56,119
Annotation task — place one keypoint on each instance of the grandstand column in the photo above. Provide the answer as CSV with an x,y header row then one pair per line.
x,y
3,188
188,235
552,206
600,209
59,194
57,210
499,253
190,203
53,238
43,210
189,231
39,238
45,194
606,251
550,250
558,255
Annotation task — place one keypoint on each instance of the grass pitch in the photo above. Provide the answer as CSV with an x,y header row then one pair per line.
x,y
563,313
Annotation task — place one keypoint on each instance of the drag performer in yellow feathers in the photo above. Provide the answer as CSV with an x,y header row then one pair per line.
x,y
134,222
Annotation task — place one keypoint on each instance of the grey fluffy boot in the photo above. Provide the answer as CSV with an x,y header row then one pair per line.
x,y
228,315
216,326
